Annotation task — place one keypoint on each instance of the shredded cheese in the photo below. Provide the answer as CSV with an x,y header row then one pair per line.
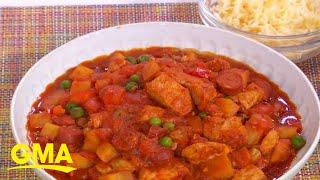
x,y
270,17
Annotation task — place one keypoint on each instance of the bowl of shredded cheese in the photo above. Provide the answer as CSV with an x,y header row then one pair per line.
x,y
291,27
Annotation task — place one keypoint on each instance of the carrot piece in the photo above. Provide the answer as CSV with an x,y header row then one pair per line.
x,y
58,110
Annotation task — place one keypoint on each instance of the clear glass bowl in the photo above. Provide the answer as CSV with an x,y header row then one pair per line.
x,y
296,47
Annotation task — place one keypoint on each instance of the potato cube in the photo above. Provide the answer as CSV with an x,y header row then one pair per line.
x,y
81,72
149,70
80,162
287,131
50,130
282,151
38,120
121,165
106,152
122,175
78,86
117,60
91,141
269,142
103,168
219,167
254,135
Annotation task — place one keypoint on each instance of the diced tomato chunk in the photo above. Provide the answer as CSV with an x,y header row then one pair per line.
x,y
103,133
72,136
58,110
261,121
125,139
262,108
92,105
198,72
156,132
82,96
153,151
112,94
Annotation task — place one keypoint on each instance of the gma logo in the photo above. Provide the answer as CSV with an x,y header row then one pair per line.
x,y
46,157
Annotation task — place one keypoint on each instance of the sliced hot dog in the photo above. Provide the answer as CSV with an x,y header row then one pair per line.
x,y
232,81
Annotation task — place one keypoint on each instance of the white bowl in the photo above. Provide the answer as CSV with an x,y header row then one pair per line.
x,y
262,58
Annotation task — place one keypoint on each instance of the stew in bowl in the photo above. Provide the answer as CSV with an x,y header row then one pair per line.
x,y
167,113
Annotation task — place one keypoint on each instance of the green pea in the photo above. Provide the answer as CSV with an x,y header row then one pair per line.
x,y
131,59
131,86
143,58
134,78
298,142
169,126
71,105
166,141
202,114
155,121
76,112
65,84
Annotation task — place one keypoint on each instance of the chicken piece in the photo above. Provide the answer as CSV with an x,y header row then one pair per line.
x,y
181,136
227,106
202,94
202,91
241,158
200,152
211,127
169,93
196,123
269,142
117,60
219,167
148,112
250,97
171,171
149,70
250,172
230,131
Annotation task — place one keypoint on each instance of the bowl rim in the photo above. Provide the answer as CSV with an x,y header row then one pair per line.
x,y
289,173
204,7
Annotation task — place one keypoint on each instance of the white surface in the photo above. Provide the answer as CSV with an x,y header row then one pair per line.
x,y
14,3
265,60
